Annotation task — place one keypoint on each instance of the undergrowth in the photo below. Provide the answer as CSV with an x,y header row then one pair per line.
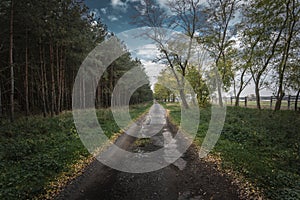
x,y
34,151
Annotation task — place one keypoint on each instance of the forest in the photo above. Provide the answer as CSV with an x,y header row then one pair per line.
x,y
43,44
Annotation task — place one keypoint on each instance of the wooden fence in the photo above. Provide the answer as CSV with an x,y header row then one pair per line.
x,y
288,102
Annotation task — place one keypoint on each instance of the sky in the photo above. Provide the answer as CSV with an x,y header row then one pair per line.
x,y
116,14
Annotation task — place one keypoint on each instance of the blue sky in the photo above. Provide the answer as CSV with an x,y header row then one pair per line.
x,y
116,14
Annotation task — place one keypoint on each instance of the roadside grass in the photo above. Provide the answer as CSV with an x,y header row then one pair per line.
x,y
262,146
36,151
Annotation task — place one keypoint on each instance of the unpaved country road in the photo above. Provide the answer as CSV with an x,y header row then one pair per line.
x,y
187,178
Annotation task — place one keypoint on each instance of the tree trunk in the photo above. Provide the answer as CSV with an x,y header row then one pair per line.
x,y
237,99
296,100
243,84
53,96
0,101
11,62
43,82
257,96
181,85
183,99
34,101
62,105
219,84
102,99
58,77
279,98
234,87
59,74
26,76
220,94
61,82
98,99
1,106
285,57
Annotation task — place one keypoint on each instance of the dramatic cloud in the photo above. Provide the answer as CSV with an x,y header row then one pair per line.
x,y
163,3
122,5
147,52
152,70
112,18
118,4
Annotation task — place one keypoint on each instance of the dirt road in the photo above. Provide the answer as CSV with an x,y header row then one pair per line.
x,y
187,178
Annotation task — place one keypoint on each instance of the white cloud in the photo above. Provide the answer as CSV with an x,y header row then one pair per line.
x,y
118,4
112,18
163,3
152,70
147,52
104,10
143,49
122,5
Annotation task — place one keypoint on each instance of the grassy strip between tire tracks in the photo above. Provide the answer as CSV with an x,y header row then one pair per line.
x,y
260,147
40,155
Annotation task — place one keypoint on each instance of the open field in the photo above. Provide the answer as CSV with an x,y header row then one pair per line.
x,y
264,105
288,103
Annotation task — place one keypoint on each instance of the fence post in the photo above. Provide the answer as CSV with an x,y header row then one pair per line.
x,y
289,101
246,99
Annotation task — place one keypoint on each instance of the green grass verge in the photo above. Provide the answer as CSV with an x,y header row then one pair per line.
x,y
262,146
35,151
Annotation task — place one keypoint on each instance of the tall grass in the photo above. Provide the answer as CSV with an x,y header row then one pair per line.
x,y
263,146
35,151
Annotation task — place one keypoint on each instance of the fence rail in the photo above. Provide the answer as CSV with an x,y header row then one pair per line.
x,y
288,102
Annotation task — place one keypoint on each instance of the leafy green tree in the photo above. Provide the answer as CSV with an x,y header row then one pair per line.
x,y
217,36
182,15
287,44
194,76
161,92
166,87
266,22
242,63
292,78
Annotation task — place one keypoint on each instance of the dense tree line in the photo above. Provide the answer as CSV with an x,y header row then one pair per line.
x,y
254,41
42,45
165,88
